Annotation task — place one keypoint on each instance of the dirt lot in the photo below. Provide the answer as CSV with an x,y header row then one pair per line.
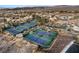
x,y
61,42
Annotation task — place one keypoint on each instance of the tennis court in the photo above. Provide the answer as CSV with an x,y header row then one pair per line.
x,y
42,38
21,27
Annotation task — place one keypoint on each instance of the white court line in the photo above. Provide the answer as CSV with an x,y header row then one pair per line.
x,y
67,47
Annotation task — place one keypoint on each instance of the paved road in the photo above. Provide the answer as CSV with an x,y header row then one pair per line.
x,y
73,49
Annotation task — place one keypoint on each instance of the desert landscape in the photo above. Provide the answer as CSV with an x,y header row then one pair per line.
x,y
41,29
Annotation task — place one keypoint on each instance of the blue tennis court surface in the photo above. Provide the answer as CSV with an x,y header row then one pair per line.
x,y
22,27
41,37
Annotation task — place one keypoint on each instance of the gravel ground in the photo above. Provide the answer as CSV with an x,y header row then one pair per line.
x,y
61,42
19,45
16,45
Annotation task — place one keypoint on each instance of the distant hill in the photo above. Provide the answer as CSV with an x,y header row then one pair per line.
x,y
54,8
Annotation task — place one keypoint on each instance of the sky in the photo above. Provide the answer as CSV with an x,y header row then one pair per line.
x,y
22,3
11,6
8,6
